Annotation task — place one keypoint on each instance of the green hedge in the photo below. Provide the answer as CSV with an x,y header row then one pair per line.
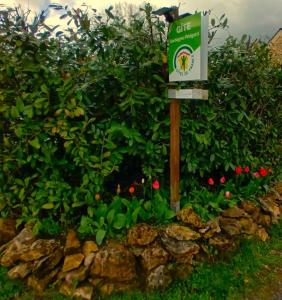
x,y
85,110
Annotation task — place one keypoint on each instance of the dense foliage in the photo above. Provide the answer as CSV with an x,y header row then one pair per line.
x,y
84,113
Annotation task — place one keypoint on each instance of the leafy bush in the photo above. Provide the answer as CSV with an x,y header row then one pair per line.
x,y
85,110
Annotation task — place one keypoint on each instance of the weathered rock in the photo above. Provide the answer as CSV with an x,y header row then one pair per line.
x,y
39,284
182,251
66,289
88,259
141,235
211,228
38,249
264,220
96,282
72,243
7,230
153,257
248,226
79,274
117,287
221,243
20,271
189,217
84,292
181,233
17,246
159,278
250,207
182,271
89,247
114,262
270,207
48,263
234,212
72,262
262,234
230,226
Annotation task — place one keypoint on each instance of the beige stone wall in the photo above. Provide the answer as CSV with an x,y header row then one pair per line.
x,y
275,45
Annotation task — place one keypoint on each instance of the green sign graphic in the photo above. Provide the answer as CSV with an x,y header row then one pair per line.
x,y
188,48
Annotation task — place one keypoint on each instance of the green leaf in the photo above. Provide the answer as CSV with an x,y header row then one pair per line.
x,y
110,216
20,105
48,206
100,235
119,222
35,143
14,112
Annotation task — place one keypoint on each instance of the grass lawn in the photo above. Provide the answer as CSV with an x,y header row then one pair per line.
x,y
251,267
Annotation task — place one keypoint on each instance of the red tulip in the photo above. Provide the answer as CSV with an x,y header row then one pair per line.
x,y
256,174
238,170
247,169
210,181
263,172
131,190
222,180
156,185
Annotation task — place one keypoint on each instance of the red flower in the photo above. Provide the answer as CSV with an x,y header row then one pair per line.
x,y
247,169
156,185
210,181
131,190
222,180
238,170
256,174
263,172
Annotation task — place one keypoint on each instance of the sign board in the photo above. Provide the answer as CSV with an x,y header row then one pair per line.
x,y
198,94
188,48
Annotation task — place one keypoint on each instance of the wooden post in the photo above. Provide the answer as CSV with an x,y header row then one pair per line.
x,y
174,154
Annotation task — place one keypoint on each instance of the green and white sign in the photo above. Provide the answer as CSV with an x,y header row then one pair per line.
x,y
188,48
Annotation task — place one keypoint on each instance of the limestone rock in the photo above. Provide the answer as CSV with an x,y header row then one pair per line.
x,y
159,278
66,289
88,259
189,217
114,262
182,251
43,266
15,248
181,233
72,243
39,284
89,247
153,257
79,274
234,212
84,292
20,271
221,243
38,249
7,230
248,226
262,234
230,226
141,235
250,207
264,220
117,287
270,207
211,228
72,262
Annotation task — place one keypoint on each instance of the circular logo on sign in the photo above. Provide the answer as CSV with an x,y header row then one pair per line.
x,y
183,60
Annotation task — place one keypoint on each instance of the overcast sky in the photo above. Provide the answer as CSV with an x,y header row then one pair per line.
x,y
258,18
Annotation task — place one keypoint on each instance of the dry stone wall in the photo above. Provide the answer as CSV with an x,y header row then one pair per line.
x,y
149,258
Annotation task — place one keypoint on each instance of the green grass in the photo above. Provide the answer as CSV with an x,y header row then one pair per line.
x,y
224,279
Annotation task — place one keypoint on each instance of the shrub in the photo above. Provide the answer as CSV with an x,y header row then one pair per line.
x,y
85,110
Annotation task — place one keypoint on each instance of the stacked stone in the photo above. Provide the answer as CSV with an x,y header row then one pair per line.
x,y
149,257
